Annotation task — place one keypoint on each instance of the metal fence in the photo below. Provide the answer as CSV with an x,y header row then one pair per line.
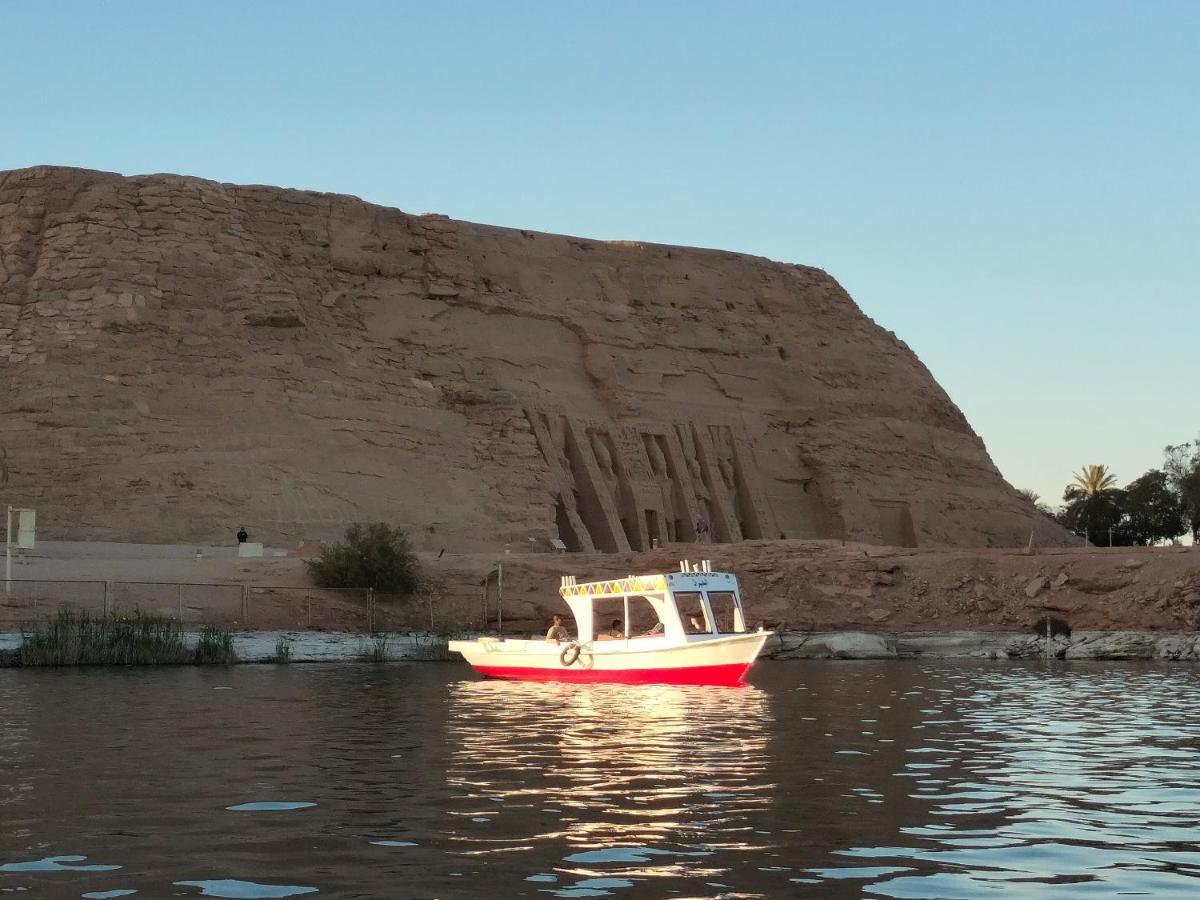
x,y
240,607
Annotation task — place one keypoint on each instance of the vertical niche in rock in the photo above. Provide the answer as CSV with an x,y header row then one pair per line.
x,y
896,528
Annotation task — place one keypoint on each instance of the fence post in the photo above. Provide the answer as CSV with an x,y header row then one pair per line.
x,y
179,603
308,604
245,610
370,610
107,598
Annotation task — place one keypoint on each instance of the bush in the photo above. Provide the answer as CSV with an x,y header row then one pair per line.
x,y
371,556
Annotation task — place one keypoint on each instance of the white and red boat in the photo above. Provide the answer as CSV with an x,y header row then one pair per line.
x,y
685,627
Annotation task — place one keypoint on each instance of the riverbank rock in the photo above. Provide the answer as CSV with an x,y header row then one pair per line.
x,y
834,645
1083,645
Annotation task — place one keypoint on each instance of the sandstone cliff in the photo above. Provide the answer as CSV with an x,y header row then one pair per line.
x,y
181,357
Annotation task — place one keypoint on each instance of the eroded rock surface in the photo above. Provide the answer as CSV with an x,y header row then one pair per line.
x,y
181,357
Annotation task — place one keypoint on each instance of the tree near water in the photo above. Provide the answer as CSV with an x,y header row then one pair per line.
x,y
371,556
1036,499
1094,506
1094,480
1095,517
1182,467
1153,512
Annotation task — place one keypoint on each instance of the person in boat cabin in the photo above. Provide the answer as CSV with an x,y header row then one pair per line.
x,y
696,622
557,632
615,632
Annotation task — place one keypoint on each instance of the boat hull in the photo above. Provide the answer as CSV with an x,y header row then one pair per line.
x,y
728,675
722,660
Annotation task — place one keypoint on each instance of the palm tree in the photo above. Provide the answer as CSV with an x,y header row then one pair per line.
x,y
1094,494
1036,499
1094,481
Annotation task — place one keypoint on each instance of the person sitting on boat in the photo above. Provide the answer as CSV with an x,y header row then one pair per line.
x,y
615,632
557,632
659,628
696,622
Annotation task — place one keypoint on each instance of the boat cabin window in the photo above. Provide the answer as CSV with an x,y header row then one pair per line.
x,y
726,612
692,613
608,619
642,616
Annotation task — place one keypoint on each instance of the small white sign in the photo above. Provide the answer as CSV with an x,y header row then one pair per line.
x,y
26,526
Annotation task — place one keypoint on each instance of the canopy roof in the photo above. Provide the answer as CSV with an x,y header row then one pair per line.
x,y
675,582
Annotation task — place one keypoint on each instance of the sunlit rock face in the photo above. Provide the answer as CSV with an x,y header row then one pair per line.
x,y
181,357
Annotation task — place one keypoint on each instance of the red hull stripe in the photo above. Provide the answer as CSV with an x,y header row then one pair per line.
x,y
729,674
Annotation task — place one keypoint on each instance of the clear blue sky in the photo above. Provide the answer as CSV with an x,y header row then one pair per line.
x,y
1011,187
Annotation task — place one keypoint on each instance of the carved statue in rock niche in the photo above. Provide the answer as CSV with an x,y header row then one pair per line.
x,y
603,457
691,459
660,473
558,435
726,469
658,461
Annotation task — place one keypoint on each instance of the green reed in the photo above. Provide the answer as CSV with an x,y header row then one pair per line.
x,y
214,646
72,638
283,650
378,649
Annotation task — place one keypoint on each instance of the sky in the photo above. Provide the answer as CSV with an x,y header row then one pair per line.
x,y
1013,188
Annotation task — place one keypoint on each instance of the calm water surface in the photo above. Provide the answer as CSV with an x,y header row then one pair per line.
x,y
822,779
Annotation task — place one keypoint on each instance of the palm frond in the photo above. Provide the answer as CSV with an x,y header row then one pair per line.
x,y
1095,479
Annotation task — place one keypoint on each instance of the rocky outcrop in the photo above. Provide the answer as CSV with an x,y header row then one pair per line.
x,y
182,357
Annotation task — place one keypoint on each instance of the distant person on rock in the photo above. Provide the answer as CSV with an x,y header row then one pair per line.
x,y
241,535
557,632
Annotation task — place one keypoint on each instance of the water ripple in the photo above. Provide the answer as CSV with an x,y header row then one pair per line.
x,y
57,864
825,779
246,890
1083,782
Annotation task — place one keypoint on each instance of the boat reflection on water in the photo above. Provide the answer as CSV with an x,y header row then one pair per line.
x,y
645,781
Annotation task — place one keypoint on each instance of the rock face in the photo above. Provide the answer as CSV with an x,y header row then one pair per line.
x,y
182,357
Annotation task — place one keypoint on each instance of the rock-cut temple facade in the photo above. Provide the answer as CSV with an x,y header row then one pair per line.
x,y
181,357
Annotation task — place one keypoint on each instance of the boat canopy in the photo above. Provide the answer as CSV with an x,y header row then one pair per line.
x,y
712,597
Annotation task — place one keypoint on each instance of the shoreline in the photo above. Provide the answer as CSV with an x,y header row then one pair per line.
x,y
259,647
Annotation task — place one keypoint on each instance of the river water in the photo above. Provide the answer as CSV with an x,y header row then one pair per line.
x,y
821,779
